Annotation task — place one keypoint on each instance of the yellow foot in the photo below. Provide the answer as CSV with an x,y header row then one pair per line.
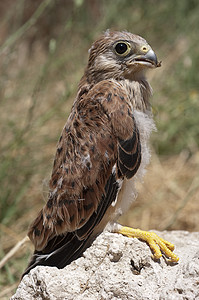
x,y
155,243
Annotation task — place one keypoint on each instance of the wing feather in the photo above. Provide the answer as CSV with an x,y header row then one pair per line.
x,y
129,155
100,133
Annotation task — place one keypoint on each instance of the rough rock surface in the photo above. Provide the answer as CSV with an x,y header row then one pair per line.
x,y
117,267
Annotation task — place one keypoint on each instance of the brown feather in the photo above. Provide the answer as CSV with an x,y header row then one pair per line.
x,y
100,134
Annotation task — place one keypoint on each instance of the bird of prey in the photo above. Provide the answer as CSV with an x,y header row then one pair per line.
x,y
103,150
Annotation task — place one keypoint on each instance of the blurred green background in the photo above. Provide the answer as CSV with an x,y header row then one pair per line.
x,y
44,50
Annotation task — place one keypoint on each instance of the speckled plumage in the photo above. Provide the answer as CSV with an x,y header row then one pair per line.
x,y
103,146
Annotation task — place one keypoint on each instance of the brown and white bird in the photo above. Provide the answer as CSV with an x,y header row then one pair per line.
x,y
102,151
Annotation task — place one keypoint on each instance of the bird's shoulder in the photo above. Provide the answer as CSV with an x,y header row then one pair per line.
x,y
108,99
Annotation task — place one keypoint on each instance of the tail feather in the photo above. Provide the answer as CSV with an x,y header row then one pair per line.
x,y
61,250
68,248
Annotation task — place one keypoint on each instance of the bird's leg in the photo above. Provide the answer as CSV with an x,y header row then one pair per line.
x,y
155,243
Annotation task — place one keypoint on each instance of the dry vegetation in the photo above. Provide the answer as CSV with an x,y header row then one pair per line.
x,y
43,53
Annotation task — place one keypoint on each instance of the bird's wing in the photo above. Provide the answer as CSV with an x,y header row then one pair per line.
x,y
99,144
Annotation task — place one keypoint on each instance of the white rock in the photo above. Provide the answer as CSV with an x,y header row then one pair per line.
x,y
117,267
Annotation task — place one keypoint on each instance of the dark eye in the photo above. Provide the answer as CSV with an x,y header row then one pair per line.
x,y
122,48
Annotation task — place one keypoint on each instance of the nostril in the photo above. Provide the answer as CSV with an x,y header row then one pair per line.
x,y
144,49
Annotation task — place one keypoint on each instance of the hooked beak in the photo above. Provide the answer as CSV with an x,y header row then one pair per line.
x,y
148,60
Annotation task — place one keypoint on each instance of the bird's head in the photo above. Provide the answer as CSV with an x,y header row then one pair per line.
x,y
120,55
